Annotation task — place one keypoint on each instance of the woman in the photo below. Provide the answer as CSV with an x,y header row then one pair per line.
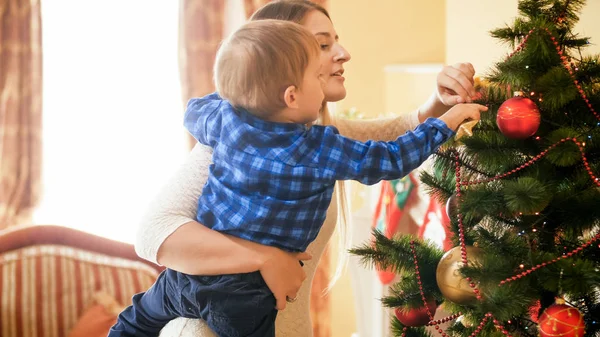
x,y
170,236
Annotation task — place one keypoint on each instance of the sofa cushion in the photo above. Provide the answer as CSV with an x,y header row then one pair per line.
x,y
97,320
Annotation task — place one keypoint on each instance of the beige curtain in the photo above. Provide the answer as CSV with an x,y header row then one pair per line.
x,y
20,110
200,32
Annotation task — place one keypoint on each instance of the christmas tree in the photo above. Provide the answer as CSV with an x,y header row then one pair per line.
x,y
523,195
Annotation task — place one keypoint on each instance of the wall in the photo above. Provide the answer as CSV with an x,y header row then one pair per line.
x,y
382,32
378,33
469,23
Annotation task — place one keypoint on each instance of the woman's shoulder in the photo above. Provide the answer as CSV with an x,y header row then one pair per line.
x,y
201,154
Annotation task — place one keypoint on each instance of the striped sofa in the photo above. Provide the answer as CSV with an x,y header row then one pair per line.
x,y
50,274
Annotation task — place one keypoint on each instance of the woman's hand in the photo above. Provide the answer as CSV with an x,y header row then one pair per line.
x,y
454,85
282,273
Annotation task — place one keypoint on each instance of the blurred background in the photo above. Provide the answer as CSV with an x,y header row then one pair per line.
x,y
91,105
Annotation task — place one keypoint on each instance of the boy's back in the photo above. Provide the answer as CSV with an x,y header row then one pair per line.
x,y
272,182
262,175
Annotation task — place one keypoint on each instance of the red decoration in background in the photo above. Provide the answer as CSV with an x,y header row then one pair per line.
x,y
386,219
436,225
518,118
395,201
561,320
416,317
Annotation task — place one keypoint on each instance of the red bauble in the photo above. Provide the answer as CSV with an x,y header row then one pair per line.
x,y
518,118
561,320
386,276
416,317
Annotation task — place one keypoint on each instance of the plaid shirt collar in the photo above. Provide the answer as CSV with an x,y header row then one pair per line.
x,y
250,119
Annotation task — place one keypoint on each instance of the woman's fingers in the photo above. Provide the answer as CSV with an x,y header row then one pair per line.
x,y
283,274
467,69
449,87
456,84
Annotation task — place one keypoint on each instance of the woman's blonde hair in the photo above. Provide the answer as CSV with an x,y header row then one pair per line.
x,y
257,62
296,11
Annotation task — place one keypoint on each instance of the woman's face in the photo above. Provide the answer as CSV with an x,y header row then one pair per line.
x,y
333,55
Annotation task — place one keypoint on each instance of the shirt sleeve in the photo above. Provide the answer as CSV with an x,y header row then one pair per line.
x,y
203,120
343,158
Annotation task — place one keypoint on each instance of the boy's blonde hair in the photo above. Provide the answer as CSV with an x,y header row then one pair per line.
x,y
260,60
296,11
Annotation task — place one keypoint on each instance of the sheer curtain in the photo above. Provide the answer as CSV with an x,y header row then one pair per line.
x,y
112,111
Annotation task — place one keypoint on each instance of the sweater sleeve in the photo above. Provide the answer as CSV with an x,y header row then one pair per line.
x,y
381,129
175,204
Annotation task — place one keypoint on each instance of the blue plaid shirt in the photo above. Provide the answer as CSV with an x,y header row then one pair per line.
x,y
272,182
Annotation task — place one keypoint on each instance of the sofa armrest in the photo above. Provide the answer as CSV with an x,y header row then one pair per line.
x,y
24,236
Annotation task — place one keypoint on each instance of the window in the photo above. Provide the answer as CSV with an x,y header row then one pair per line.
x,y
112,110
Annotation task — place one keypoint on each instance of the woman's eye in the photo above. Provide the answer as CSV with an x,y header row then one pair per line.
x,y
324,46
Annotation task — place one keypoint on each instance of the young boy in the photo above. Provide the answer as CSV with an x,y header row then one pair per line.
x,y
270,168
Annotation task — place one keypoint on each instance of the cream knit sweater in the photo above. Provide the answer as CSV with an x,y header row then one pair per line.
x,y
176,205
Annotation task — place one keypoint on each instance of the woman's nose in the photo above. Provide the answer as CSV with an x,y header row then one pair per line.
x,y
341,54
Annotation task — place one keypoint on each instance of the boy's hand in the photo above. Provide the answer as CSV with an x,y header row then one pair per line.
x,y
461,113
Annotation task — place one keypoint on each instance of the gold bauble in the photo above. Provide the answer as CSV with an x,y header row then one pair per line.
x,y
451,282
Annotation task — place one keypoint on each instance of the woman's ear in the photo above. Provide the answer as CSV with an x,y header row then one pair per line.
x,y
290,97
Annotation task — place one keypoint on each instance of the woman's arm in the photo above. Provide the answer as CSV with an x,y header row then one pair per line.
x,y
454,85
381,129
169,235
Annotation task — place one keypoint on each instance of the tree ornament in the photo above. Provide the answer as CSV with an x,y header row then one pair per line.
x,y
561,320
452,212
452,207
534,311
453,285
465,129
518,117
417,316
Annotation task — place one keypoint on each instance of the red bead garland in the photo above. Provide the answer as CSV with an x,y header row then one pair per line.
x,y
481,324
461,229
565,64
416,263
594,178
460,184
444,320
544,264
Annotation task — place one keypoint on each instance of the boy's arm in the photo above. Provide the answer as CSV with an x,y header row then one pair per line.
x,y
342,158
203,120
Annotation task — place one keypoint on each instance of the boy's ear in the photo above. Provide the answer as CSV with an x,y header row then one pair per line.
x,y
290,97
